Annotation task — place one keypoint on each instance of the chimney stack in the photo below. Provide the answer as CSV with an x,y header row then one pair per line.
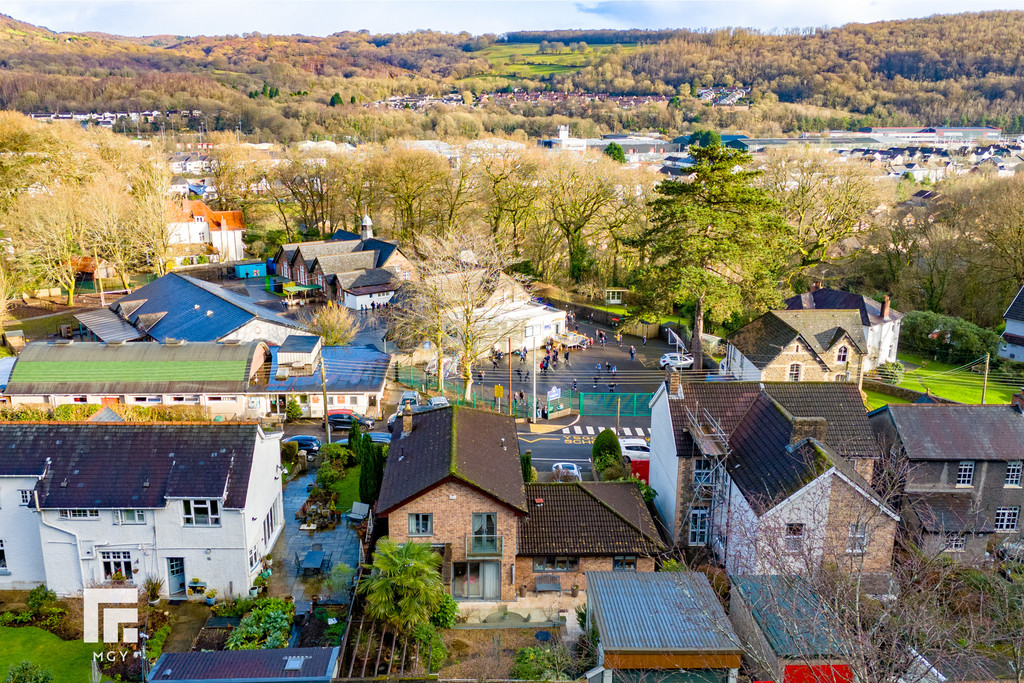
x,y
1017,400
366,233
815,286
885,307
807,428
407,421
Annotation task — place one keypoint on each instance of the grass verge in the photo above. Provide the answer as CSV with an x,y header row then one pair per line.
x,y
347,489
67,660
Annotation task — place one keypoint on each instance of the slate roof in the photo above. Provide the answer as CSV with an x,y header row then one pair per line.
x,y
848,434
454,443
383,248
823,298
344,263
954,512
659,612
377,278
130,465
763,339
607,518
936,431
350,369
318,665
179,307
1015,311
790,615
46,368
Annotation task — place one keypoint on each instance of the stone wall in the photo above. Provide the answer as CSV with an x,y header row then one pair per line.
x,y
901,392
847,506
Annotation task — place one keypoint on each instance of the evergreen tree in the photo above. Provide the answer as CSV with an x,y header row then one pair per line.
x,y
615,151
336,99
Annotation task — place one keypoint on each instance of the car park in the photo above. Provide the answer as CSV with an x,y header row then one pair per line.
x,y
676,361
410,398
566,471
635,449
346,419
415,409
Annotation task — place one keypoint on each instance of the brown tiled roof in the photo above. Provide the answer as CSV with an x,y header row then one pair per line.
x,y
608,518
454,443
848,432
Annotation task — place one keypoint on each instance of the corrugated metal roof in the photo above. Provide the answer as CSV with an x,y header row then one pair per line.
x,y
108,326
46,368
350,370
792,618
659,611
6,366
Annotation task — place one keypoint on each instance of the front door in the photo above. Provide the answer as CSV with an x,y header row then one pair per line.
x,y
110,400
176,575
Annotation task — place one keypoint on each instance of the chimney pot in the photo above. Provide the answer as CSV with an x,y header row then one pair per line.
x,y
885,307
814,286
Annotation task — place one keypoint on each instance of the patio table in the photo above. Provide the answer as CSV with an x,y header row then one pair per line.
x,y
311,562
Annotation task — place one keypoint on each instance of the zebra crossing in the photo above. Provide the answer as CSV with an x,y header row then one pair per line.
x,y
639,432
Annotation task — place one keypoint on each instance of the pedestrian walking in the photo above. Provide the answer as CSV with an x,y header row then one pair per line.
x,y
645,340
574,386
481,375
494,362
598,368
618,339
567,356
632,353
614,370
527,374
608,366
595,381
611,387
519,373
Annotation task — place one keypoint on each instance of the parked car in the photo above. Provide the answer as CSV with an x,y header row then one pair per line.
x,y
635,449
1012,551
438,401
307,443
379,437
415,409
563,471
410,398
345,420
676,361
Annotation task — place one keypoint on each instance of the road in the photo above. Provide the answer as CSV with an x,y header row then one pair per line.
x,y
574,444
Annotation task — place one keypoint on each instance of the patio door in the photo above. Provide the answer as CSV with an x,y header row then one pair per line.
x,y
175,575
476,580
485,533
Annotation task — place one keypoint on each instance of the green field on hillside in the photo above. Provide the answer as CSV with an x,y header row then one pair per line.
x,y
529,64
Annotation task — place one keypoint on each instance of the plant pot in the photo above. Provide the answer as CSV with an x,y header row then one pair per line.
x,y
210,601
154,603
522,591
253,592
575,591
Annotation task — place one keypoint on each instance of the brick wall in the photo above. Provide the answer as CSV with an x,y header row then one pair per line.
x,y
526,576
811,368
847,506
453,521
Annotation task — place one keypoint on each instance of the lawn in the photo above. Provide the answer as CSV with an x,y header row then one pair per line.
x,y
347,489
530,64
947,381
44,327
66,660
877,399
621,310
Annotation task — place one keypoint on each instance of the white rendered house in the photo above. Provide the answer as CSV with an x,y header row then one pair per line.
x,y
83,504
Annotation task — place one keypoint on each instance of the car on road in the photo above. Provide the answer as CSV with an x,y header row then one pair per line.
x,y
307,443
379,437
345,420
438,402
676,361
567,471
635,449
410,398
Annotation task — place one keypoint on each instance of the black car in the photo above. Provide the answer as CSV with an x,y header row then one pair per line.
x,y
414,408
307,443
345,420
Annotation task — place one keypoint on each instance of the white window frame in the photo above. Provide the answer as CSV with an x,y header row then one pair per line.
x,y
117,561
270,524
130,517
703,474
794,539
857,540
1013,473
965,473
78,513
254,557
26,496
3,558
699,526
795,372
1005,515
211,509
955,543
842,354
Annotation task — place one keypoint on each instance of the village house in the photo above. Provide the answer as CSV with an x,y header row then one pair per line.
x,y
212,375
1012,347
787,504
660,627
181,307
195,230
962,472
798,346
692,425
453,479
880,323
114,502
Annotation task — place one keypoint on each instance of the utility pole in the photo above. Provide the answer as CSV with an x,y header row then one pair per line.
x,y
618,412
323,382
98,281
510,375
984,383
533,413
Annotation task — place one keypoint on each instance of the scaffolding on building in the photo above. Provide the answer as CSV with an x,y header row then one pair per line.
x,y
705,515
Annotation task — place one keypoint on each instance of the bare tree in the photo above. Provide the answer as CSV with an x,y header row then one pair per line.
x,y
335,324
51,229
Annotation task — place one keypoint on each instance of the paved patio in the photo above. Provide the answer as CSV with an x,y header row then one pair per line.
x,y
533,609
343,542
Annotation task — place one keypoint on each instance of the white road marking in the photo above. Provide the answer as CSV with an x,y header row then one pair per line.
x,y
578,429
590,430
626,432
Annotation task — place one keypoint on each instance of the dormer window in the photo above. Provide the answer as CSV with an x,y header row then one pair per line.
x,y
201,512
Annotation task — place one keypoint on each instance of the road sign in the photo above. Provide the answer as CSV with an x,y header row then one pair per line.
x,y
499,391
554,393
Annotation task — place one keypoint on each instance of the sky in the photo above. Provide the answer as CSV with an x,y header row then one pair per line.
x,y
322,17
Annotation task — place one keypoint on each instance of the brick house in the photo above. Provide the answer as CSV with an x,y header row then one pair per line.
x,y
961,471
692,423
798,345
453,479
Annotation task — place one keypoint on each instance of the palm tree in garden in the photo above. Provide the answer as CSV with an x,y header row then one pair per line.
x,y
404,585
